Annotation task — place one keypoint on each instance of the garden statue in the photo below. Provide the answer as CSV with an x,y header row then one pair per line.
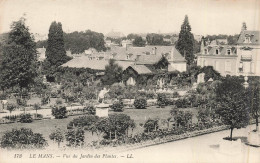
x,y
101,95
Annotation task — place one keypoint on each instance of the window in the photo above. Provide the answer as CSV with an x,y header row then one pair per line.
x,y
247,39
127,57
216,51
228,66
228,51
206,51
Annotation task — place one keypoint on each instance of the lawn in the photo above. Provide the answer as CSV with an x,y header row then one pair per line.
x,y
45,127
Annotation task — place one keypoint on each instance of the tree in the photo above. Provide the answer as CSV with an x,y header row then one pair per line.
x,y
231,104
113,73
132,36
253,100
10,108
155,39
23,138
151,125
115,125
139,42
181,118
57,136
55,51
18,65
75,137
185,43
36,107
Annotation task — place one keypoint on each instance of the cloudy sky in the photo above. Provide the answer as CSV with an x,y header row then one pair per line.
x,y
133,16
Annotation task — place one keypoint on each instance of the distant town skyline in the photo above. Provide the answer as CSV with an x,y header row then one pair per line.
x,y
133,16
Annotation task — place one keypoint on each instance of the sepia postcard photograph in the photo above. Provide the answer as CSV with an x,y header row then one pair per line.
x,y
129,81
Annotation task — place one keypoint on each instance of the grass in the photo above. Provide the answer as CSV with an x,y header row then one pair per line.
x,y
45,127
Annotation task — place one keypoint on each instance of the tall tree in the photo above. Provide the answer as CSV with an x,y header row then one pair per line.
x,y
231,104
113,73
139,42
18,65
186,41
55,51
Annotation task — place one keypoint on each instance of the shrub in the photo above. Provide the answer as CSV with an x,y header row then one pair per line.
x,y
162,100
140,103
75,137
117,106
91,110
22,138
57,136
59,112
151,125
86,122
12,117
26,118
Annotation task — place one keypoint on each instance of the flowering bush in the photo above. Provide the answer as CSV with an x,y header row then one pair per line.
x,y
140,103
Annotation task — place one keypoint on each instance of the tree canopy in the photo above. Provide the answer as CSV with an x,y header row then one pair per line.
x,y
231,105
113,73
139,42
18,65
185,43
156,39
55,51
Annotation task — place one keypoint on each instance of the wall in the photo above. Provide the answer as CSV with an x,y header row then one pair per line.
x,y
180,66
225,65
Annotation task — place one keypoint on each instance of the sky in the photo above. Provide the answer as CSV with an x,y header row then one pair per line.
x,y
133,16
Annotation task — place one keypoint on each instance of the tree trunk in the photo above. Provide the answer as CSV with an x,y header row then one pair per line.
x,y
110,135
231,132
256,124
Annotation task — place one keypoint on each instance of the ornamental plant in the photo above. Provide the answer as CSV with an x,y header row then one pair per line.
x,y
57,136
26,118
59,112
162,100
22,138
140,103
75,137
117,106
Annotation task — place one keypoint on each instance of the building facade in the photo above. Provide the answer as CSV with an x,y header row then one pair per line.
x,y
241,59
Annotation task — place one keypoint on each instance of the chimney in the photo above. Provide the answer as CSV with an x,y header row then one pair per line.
x,y
154,50
137,57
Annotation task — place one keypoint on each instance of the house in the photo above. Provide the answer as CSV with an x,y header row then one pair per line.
x,y
241,59
140,61
221,57
248,52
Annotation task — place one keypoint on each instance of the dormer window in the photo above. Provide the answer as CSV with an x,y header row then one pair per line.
x,y
217,51
247,39
228,51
